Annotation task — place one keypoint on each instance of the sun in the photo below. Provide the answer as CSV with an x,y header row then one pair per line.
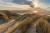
x,y
35,3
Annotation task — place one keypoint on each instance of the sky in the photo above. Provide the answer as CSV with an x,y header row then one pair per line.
x,y
43,3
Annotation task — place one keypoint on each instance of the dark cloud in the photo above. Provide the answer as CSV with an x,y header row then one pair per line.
x,y
17,1
21,2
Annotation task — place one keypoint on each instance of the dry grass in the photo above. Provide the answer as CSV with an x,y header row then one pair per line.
x,y
22,26
43,26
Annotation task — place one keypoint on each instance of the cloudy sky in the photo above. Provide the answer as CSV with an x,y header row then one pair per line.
x,y
44,3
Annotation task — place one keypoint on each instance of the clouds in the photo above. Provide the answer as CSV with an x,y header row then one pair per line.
x,y
6,0
7,3
13,3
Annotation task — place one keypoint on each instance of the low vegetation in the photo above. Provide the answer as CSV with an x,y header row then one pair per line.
x,y
26,22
